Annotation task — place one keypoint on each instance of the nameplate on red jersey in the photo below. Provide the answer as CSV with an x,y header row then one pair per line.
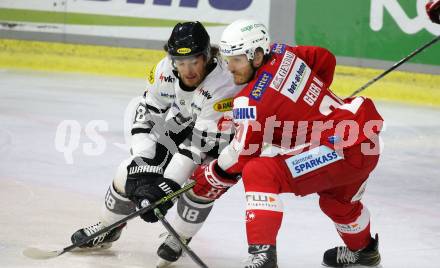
x,y
309,161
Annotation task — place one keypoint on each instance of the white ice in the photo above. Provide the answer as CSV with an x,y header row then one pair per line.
x,y
43,199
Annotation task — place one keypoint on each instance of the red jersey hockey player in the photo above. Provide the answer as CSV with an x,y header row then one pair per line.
x,y
330,145
433,10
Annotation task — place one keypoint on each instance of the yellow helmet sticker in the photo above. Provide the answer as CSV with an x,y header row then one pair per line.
x,y
224,105
184,50
151,75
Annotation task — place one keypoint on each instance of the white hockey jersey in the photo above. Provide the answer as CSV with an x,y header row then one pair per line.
x,y
167,106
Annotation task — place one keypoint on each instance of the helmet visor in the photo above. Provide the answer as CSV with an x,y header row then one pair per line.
x,y
187,62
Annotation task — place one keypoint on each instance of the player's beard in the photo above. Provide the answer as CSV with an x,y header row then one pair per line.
x,y
193,82
254,71
246,76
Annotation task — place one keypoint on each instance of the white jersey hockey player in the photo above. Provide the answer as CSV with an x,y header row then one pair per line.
x,y
181,121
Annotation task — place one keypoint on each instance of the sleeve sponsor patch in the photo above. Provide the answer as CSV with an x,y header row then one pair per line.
x,y
151,75
224,105
245,113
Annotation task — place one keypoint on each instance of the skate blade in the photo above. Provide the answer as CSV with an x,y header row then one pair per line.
x,y
355,266
97,248
161,263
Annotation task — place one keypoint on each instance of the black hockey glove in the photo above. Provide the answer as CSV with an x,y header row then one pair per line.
x,y
150,193
142,171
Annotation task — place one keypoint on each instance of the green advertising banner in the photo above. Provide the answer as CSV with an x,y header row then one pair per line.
x,y
375,29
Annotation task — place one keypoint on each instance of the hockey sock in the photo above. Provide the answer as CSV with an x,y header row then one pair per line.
x,y
356,234
115,207
191,215
264,214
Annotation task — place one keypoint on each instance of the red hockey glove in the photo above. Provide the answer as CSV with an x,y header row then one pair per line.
x,y
433,11
209,183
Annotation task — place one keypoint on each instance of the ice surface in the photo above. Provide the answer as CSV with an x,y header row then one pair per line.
x,y
43,199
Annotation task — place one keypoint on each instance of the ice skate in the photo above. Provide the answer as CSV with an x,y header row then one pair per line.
x,y
103,241
169,251
262,256
343,257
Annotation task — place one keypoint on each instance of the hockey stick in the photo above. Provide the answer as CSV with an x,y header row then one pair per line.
x,y
184,246
397,64
36,253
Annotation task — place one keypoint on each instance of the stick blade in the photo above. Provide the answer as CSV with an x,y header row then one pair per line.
x,y
40,254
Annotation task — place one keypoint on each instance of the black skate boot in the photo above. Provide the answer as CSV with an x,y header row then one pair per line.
x,y
100,242
343,257
170,251
262,256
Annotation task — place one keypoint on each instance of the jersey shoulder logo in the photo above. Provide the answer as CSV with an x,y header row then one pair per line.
x,y
278,48
224,105
261,85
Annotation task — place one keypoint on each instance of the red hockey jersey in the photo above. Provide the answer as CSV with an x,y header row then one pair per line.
x,y
289,104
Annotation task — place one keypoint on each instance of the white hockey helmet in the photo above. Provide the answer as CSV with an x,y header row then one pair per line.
x,y
244,36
